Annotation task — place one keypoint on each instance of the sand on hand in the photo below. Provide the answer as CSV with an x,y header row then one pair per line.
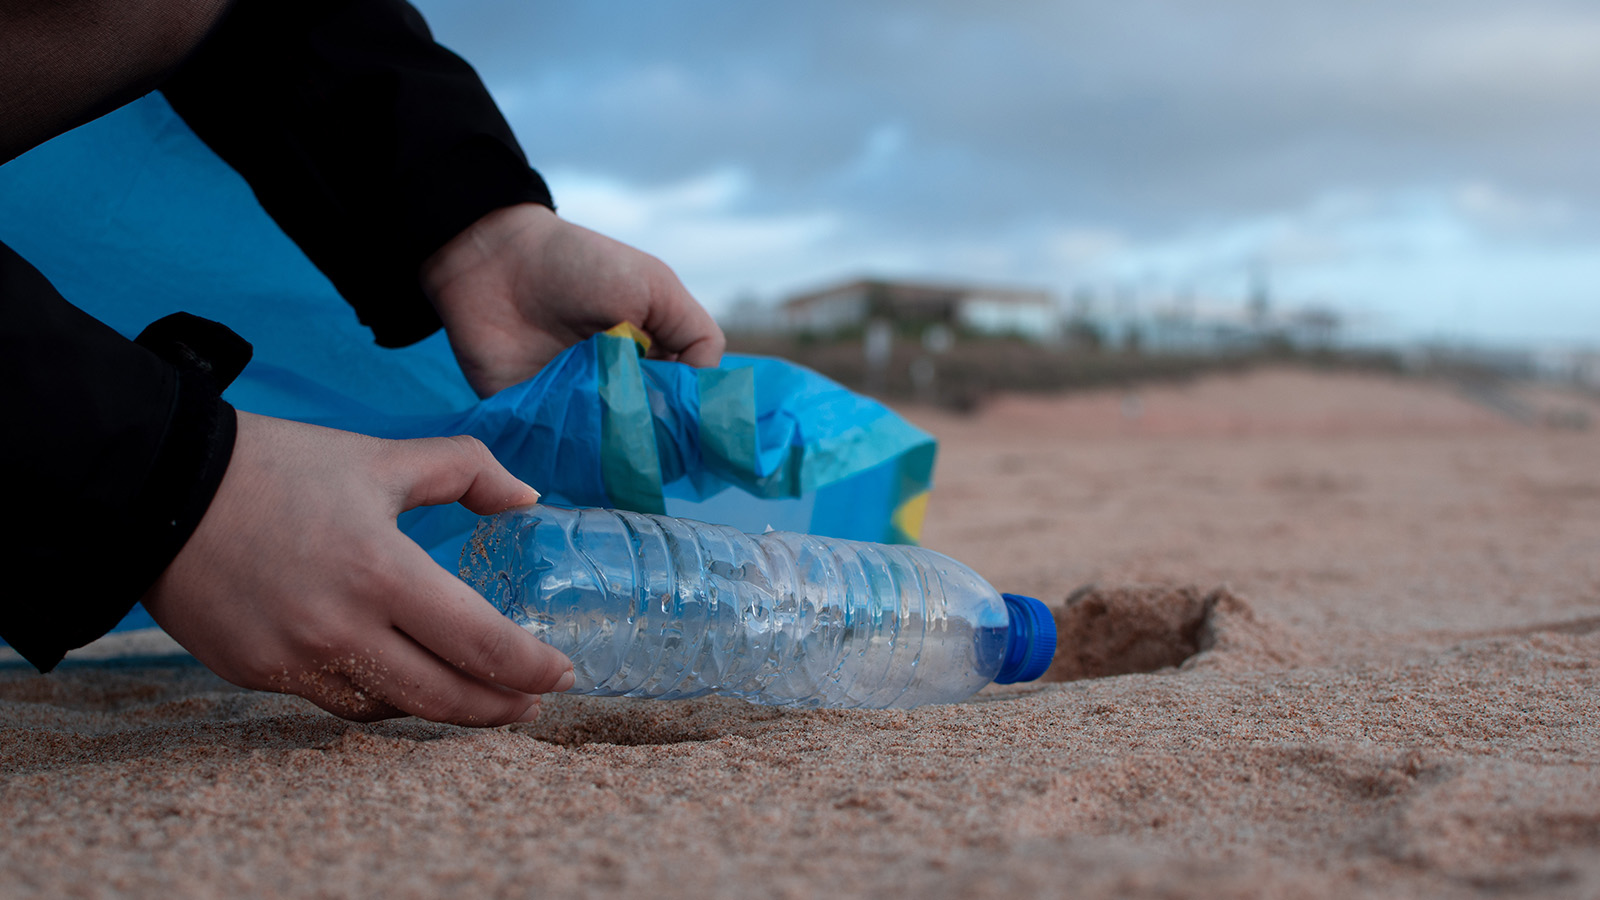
x,y
1323,636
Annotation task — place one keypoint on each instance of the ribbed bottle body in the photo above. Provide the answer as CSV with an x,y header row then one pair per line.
x,y
650,606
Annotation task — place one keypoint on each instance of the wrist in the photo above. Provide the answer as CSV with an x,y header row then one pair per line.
x,y
527,225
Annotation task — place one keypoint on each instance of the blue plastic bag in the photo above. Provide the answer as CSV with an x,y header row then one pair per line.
x,y
132,218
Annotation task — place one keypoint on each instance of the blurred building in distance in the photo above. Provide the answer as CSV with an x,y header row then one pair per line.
x,y
1578,366
748,314
1219,329
910,306
1113,321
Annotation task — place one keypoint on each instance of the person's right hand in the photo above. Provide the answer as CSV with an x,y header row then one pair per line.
x,y
298,580
522,284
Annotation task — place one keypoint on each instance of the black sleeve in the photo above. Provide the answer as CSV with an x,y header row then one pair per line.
x,y
370,144
112,450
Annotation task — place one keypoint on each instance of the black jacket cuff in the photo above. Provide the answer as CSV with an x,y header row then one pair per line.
x,y
120,448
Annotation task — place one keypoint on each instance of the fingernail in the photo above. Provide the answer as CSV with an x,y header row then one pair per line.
x,y
521,501
567,680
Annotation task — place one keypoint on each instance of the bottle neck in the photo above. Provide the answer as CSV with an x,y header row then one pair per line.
x,y
1030,640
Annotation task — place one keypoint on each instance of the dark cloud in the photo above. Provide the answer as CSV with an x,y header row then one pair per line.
x,y
1147,114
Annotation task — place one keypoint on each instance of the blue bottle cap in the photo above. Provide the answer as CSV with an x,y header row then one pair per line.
x,y
1030,641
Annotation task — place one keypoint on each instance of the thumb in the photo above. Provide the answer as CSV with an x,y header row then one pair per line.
x,y
683,330
456,469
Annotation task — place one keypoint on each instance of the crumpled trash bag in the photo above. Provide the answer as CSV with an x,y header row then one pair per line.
x,y
756,443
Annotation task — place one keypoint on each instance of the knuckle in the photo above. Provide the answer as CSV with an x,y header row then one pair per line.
x,y
554,665
506,708
384,454
453,703
513,709
492,651
303,633
319,639
372,569
393,466
469,446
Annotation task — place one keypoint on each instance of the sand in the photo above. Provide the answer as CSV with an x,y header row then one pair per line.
x,y
1327,636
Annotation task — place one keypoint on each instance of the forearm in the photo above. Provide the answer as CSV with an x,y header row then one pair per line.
x,y
369,144
65,62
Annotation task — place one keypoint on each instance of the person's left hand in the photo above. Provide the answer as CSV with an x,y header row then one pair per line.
x,y
522,284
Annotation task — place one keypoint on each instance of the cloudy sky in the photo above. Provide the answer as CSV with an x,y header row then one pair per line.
x,y
1429,168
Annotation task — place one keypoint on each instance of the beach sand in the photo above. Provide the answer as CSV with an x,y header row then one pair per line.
x,y
1324,636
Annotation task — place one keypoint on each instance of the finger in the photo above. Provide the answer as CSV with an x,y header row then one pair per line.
x,y
682,327
450,620
336,693
410,679
705,353
456,469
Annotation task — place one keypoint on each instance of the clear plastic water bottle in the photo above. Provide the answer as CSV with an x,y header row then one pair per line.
x,y
651,606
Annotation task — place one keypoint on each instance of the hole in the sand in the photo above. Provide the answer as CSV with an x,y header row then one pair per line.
x,y
1108,631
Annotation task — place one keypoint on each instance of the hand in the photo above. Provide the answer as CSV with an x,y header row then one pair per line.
x,y
297,580
522,284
